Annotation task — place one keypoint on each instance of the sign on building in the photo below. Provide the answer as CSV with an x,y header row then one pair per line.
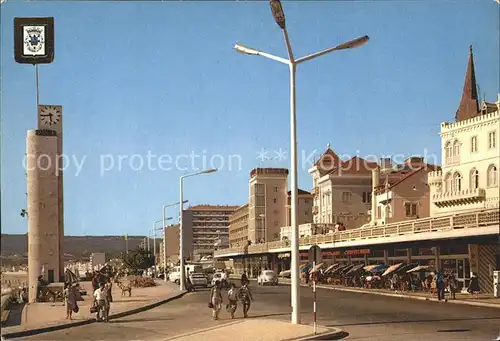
x,y
34,40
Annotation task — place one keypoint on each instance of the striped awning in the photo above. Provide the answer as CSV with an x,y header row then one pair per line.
x,y
316,268
371,267
391,269
331,267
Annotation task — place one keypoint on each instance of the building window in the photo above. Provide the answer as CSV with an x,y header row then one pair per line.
x,y
275,200
492,176
276,189
456,151
367,197
411,209
473,144
448,183
306,213
457,182
306,201
379,212
474,178
346,197
492,139
448,152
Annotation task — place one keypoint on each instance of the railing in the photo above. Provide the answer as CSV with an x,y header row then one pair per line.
x,y
459,195
424,225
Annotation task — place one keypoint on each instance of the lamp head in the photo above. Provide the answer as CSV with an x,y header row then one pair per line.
x,y
207,171
278,13
245,50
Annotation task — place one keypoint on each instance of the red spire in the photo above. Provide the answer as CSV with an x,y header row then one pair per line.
x,y
469,105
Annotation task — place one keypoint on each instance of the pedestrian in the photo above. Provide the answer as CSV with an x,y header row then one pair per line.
x,y
232,297
244,278
245,297
474,288
453,285
216,300
101,302
70,298
440,285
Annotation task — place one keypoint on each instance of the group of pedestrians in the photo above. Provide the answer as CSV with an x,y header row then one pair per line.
x,y
102,298
242,294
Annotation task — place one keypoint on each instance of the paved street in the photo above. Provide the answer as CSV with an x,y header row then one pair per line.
x,y
361,316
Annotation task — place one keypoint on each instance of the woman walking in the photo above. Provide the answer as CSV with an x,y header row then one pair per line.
x,y
70,296
216,300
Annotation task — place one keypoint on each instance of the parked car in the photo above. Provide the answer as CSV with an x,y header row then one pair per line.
x,y
267,276
216,277
285,274
199,280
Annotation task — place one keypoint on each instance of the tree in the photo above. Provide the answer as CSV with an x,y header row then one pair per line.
x,y
138,259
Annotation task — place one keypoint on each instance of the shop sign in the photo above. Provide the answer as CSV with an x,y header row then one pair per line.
x,y
357,252
330,253
284,255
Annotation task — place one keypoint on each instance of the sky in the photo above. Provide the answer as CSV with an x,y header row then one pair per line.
x,y
154,90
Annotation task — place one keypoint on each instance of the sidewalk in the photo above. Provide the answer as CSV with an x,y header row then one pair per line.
x,y
259,330
40,317
484,300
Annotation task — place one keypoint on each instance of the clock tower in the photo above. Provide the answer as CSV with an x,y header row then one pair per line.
x,y
50,118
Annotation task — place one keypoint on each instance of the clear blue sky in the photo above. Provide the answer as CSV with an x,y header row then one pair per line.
x,y
163,77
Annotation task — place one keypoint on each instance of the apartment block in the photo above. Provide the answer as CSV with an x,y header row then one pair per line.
x,y
238,227
210,228
304,207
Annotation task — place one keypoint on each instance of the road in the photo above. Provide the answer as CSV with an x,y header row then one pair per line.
x,y
361,316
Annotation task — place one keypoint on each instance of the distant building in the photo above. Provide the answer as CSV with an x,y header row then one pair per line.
x,y
304,207
402,193
238,227
97,260
267,211
342,190
209,225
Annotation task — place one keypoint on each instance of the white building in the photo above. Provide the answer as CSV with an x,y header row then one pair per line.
x,y
341,190
97,260
471,155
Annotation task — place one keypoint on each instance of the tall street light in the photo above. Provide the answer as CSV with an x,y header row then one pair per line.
x,y
181,232
164,219
279,17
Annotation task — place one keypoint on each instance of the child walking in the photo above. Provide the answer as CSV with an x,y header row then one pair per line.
x,y
232,297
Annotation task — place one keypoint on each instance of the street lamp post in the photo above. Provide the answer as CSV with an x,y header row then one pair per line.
x,y
153,230
279,16
165,237
181,234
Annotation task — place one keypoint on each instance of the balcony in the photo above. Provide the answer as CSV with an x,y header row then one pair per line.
x,y
463,197
464,224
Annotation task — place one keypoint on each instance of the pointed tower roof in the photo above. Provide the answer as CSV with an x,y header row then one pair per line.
x,y
328,161
469,104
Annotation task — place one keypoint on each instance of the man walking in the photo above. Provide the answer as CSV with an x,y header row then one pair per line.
x,y
440,285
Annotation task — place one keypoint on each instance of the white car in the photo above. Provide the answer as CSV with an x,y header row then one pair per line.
x,y
198,280
217,277
267,276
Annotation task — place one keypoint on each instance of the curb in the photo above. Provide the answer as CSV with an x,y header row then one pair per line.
x,y
198,331
42,330
333,334
419,298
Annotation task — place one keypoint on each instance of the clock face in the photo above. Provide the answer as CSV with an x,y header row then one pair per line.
x,y
50,115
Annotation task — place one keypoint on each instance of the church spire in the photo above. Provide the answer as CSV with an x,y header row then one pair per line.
x,y
469,105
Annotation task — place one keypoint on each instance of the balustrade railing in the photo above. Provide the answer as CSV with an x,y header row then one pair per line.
x,y
438,224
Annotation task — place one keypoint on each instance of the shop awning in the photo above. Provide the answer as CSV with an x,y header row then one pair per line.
x,y
419,268
302,266
371,267
331,267
316,267
391,269
355,268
